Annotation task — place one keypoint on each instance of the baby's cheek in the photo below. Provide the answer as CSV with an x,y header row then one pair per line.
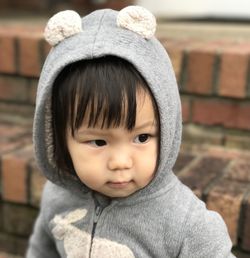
x,y
92,177
150,165
145,174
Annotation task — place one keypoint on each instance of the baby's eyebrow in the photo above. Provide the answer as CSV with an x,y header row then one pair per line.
x,y
145,125
102,132
91,131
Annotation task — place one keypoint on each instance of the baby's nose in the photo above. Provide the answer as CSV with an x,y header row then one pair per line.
x,y
120,160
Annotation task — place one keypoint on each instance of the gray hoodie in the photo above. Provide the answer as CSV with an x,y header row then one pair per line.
x,y
164,219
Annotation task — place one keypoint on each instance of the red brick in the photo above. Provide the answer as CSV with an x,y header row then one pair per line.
x,y
220,112
18,219
13,88
6,147
182,161
13,137
214,112
14,142
239,170
7,54
200,68
13,244
8,131
30,56
185,102
219,151
176,56
243,117
15,175
199,174
246,226
22,30
37,181
233,71
177,49
46,49
226,197
14,112
32,91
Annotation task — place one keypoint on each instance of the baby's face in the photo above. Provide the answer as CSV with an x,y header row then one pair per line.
x,y
114,161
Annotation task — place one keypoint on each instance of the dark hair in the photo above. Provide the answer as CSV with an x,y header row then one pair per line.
x,y
106,87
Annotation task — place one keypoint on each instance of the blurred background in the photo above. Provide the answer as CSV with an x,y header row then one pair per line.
x,y
208,42
228,9
224,9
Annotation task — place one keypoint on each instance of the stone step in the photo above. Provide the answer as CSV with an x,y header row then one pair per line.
x,y
214,86
217,175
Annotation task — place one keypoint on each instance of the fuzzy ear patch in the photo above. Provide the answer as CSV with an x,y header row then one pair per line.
x,y
62,25
137,19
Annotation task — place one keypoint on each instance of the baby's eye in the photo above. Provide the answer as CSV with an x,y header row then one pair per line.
x,y
97,143
142,138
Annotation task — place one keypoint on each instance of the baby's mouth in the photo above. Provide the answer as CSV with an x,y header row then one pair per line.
x,y
118,184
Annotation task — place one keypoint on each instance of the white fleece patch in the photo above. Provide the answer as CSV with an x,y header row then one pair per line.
x,y
77,243
62,25
104,248
137,19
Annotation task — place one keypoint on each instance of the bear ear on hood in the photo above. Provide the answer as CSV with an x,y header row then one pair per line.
x,y
67,23
61,26
137,19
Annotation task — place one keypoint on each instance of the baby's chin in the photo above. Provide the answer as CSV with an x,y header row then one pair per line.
x,y
119,194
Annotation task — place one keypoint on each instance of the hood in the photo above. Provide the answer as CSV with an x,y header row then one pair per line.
x,y
109,32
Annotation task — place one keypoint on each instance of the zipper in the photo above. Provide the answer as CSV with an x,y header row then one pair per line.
x,y
98,211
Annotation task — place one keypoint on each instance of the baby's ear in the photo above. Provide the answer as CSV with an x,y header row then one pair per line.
x,y
62,25
137,19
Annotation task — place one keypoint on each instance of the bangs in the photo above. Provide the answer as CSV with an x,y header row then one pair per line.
x,y
102,92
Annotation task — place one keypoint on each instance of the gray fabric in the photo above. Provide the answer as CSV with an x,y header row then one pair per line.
x,y
165,219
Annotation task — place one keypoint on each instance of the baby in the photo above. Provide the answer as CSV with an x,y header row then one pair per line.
x,y
107,131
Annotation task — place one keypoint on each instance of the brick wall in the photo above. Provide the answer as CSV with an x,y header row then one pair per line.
x,y
214,83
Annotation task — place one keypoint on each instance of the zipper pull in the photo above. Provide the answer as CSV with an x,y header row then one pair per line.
x,y
98,211
97,214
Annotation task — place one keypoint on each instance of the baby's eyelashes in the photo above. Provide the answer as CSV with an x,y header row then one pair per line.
x,y
112,139
97,143
142,138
